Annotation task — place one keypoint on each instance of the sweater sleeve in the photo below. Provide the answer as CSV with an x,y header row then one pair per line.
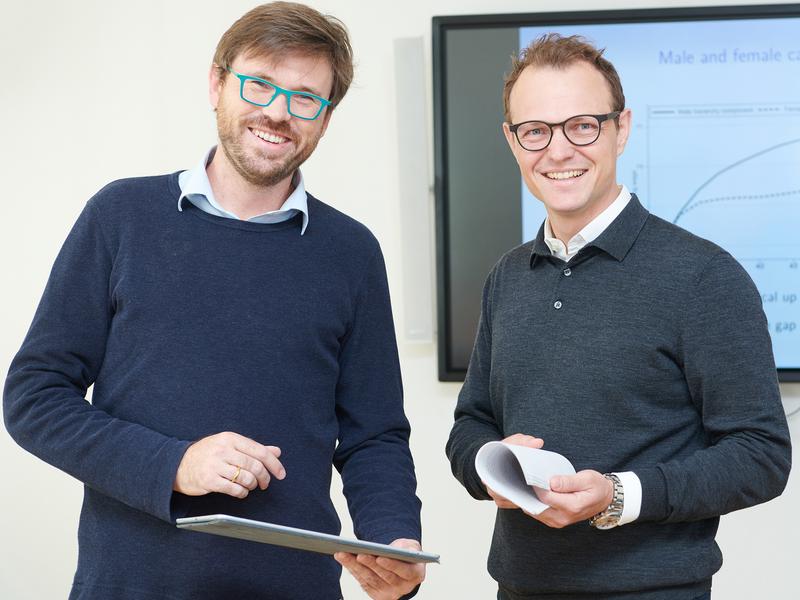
x,y
475,421
44,404
730,374
373,453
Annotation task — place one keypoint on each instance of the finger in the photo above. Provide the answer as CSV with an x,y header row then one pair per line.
x,y
409,572
343,558
544,495
348,560
363,574
407,544
545,516
499,500
373,592
387,576
267,455
226,486
573,483
241,476
521,439
556,518
505,504
274,466
560,502
253,465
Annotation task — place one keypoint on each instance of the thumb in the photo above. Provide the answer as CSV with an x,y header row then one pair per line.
x,y
565,484
521,439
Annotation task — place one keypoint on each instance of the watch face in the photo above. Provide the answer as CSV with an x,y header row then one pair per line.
x,y
606,522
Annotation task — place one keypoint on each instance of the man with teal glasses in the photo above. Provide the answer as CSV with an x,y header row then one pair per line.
x,y
239,337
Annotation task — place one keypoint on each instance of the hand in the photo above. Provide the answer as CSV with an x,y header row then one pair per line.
x,y
228,463
520,439
384,578
574,498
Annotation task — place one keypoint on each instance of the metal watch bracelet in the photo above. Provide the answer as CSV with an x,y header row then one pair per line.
x,y
610,517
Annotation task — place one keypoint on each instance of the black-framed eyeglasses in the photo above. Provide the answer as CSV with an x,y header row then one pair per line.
x,y
303,105
580,130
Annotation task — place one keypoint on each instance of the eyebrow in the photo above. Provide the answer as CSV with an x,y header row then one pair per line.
x,y
266,76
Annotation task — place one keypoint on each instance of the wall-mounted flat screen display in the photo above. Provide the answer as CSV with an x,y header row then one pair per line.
x,y
714,148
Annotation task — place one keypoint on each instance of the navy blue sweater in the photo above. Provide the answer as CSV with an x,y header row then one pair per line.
x,y
647,352
188,325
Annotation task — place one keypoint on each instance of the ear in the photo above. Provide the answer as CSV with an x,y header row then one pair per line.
x,y
624,130
215,83
510,137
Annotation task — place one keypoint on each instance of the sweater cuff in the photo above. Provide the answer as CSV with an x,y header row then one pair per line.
x,y
163,506
472,481
411,594
405,531
654,495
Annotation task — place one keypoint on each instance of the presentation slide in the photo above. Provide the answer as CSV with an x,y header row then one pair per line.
x,y
715,143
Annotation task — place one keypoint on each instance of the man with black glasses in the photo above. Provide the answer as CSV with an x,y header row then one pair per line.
x,y
239,336
635,349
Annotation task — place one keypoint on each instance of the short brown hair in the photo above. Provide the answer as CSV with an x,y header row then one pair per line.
x,y
557,51
280,27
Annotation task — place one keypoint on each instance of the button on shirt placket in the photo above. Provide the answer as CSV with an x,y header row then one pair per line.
x,y
558,301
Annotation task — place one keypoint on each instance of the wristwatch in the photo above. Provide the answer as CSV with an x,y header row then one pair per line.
x,y
610,517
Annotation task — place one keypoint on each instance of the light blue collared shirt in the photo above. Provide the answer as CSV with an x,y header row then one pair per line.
x,y
196,188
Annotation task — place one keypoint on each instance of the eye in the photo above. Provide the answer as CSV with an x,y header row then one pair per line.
x,y
305,100
533,130
582,128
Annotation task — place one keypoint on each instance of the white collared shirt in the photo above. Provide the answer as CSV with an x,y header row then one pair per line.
x,y
196,188
590,232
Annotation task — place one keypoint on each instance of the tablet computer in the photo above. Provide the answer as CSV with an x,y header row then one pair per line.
x,y
301,539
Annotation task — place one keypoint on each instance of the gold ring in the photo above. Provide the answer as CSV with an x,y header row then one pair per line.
x,y
236,475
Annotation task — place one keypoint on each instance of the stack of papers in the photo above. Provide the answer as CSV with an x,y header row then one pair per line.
x,y
513,471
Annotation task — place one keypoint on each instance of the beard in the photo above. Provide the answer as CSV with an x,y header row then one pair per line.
x,y
256,168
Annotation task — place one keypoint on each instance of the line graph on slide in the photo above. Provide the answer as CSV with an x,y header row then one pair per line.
x,y
731,173
693,201
691,205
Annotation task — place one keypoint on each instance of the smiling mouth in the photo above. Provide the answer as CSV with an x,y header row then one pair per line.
x,y
561,175
269,137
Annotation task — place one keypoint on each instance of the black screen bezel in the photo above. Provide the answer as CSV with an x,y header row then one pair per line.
x,y
443,24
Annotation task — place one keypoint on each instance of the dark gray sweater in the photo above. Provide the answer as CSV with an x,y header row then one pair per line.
x,y
647,352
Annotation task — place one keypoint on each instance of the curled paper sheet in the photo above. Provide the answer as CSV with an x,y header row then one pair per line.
x,y
512,470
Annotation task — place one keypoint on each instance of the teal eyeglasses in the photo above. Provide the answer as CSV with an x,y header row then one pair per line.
x,y
261,92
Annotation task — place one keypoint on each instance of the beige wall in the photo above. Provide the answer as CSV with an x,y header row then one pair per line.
x,y
97,90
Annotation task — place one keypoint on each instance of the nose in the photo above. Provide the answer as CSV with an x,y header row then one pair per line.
x,y
278,109
560,147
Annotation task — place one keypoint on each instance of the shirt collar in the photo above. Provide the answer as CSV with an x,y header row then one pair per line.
x,y
590,232
195,186
601,222
616,236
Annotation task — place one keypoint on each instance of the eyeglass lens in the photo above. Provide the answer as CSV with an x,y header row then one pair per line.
x,y
262,93
581,131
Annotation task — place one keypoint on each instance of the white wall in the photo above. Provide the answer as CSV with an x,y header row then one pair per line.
x,y
97,90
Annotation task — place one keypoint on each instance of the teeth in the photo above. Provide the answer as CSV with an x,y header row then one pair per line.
x,y
563,174
275,139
